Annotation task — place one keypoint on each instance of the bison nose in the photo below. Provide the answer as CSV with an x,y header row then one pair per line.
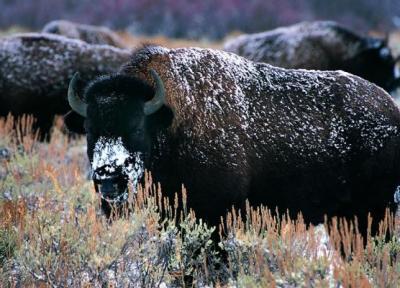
x,y
107,187
111,186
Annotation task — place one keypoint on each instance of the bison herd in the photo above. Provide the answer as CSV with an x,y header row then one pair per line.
x,y
256,125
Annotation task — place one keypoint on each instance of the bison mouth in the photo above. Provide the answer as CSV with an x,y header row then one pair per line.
x,y
112,189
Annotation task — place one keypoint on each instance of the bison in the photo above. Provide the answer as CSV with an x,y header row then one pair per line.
x,y
229,129
321,45
35,70
88,33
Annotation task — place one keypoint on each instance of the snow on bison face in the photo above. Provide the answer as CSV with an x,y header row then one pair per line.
x,y
117,111
114,166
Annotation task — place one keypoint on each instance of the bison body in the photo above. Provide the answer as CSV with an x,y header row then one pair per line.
x,y
35,70
88,33
321,45
230,129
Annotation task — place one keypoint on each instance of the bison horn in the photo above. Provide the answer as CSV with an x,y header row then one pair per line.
x,y
74,100
158,100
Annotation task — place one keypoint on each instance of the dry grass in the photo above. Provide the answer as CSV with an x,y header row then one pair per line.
x,y
132,41
137,41
12,30
52,233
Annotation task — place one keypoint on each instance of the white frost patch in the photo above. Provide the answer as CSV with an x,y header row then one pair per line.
x,y
324,247
135,169
110,153
43,63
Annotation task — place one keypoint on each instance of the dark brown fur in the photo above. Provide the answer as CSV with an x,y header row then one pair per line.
x,y
315,142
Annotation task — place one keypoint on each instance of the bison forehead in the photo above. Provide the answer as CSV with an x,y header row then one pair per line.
x,y
109,99
110,154
109,151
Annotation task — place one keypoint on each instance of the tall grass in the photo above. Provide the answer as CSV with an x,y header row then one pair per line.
x,y
52,233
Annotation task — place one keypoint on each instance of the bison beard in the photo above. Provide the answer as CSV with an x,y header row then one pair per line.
x,y
230,129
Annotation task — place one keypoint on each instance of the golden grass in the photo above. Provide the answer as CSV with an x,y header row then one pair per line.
x,y
132,41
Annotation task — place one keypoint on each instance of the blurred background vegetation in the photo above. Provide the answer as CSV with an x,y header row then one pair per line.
x,y
206,19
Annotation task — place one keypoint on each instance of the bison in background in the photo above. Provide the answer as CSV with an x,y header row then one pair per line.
x,y
321,45
35,70
88,33
320,142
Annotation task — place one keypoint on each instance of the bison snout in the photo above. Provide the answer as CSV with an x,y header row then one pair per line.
x,y
113,187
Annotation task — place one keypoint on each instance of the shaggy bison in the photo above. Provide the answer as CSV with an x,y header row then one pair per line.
x,y
320,142
321,45
88,33
36,68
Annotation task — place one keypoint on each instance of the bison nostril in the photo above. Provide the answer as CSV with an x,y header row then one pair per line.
x,y
110,187
106,186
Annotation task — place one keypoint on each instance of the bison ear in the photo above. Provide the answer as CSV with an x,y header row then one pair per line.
x,y
74,123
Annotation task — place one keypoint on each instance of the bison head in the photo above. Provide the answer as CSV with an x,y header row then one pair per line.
x,y
376,63
121,115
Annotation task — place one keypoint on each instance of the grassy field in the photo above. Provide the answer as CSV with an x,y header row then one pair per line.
x,y
52,233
